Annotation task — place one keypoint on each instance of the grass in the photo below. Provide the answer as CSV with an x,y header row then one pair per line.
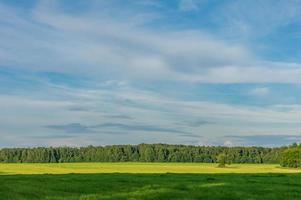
x,y
150,186
65,168
93,181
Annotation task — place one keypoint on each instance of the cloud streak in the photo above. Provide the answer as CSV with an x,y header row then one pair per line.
x,y
149,71
102,128
131,50
71,128
264,140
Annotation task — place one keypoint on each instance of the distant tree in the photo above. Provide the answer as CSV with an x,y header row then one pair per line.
x,y
143,153
222,160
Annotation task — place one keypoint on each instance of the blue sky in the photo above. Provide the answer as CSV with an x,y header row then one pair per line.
x,y
125,72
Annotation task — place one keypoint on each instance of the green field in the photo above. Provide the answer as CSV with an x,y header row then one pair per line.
x,y
86,168
91,181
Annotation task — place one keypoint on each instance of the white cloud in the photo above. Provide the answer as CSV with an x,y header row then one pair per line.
x,y
228,143
144,109
188,5
100,45
115,48
245,19
261,91
267,72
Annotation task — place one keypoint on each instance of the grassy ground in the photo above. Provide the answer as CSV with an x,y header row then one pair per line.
x,y
64,168
94,181
150,186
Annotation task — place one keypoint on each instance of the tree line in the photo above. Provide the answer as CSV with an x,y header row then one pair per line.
x,y
141,153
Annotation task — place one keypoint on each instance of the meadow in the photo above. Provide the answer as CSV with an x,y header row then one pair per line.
x,y
91,181
138,167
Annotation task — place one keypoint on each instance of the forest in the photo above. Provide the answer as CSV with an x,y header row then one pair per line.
x,y
141,153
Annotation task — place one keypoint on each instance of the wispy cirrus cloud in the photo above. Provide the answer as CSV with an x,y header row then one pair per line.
x,y
188,5
261,91
132,51
71,128
158,71
168,117
108,127
264,140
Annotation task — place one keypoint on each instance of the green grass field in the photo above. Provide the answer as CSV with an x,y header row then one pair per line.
x,y
66,168
91,181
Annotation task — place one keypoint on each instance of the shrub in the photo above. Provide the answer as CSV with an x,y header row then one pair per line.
x,y
291,157
222,160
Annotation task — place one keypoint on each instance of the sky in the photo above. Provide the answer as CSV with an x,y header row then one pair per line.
x,y
195,72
